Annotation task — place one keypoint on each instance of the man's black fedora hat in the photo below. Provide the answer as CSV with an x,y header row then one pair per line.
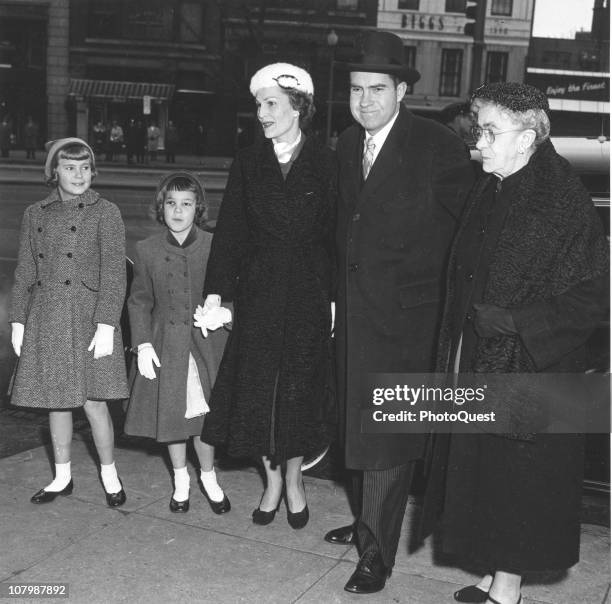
x,y
381,52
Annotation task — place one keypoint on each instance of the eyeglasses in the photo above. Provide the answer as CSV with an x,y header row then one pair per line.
x,y
489,135
287,81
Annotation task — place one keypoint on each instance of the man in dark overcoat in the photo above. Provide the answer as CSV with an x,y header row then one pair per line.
x,y
403,181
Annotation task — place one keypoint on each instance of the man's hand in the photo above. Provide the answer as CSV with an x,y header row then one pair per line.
x,y
102,342
491,321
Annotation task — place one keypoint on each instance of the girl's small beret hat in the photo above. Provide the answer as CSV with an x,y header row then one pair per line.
x,y
54,147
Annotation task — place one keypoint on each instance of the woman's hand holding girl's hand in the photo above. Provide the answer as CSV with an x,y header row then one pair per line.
x,y
146,359
211,317
102,342
212,301
17,337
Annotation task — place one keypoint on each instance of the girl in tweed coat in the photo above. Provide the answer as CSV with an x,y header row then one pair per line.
x,y
65,308
176,365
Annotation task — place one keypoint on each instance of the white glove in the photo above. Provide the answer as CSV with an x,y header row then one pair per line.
x,y
211,319
333,317
17,337
146,359
102,342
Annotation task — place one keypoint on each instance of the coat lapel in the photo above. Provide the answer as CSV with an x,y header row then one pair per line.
x,y
391,156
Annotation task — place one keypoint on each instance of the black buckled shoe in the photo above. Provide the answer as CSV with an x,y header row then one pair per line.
x,y
345,535
43,496
471,593
178,506
370,575
114,500
218,507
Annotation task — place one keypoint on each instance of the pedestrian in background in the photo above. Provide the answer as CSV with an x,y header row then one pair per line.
x,y
65,309
141,141
171,142
273,255
153,134
30,138
200,140
131,140
527,285
5,137
100,138
177,366
403,182
115,141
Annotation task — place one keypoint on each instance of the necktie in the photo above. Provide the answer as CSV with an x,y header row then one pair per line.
x,y
368,157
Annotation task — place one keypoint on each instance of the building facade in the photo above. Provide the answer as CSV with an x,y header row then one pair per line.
x,y
436,45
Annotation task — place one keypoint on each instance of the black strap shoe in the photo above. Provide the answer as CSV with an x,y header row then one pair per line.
x,y
370,575
345,535
218,507
43,496
471,593
178,506
114,500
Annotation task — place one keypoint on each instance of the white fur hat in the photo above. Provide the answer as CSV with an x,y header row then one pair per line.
x,y
290,76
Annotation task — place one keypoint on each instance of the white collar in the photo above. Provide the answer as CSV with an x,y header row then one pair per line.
x,y
381,136
284,151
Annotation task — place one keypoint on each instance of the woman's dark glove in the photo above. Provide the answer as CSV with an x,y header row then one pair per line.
x,y
491,321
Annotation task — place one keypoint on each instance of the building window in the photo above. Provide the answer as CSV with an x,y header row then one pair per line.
x,y
346,4
408,4
450,72
410,59
501,7
497,67
455,6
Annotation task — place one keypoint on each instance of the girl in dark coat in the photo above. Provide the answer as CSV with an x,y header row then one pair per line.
x,y
272,254
170,404
65,309
526,286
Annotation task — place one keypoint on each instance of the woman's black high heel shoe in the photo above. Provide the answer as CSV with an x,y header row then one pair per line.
x,y
298,520
262,518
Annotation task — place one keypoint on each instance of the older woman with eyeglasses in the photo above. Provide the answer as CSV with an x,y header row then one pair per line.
x,y
526,287
272,254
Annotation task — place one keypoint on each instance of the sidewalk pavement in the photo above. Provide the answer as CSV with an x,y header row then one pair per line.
x,y
142,552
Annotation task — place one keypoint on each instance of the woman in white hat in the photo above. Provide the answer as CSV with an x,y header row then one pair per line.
x,y
272,254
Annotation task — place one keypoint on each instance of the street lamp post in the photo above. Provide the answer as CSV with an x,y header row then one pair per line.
x,y
332,40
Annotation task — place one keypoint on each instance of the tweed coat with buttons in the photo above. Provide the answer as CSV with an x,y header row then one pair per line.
x,y
273,255
166,289
70,276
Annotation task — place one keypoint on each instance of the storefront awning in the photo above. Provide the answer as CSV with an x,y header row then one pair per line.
x,y
111,89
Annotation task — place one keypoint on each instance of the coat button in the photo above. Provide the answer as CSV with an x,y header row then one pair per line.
x,y
353,267
185,274
356,217
41,255
40,229
171,322
469,317
73,228
69,254
167,258
67,282
39,283
469,276
81,205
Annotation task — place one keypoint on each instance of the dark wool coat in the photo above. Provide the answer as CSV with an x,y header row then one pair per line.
x,y
70,276
393,237
513,500
273,255
167,287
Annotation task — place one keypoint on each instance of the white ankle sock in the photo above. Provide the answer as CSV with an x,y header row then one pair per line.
x,y
110,480
209,480
62,477
181,484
